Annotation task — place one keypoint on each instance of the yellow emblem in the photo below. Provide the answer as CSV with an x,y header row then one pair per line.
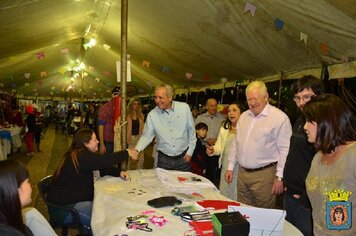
x,y
339,195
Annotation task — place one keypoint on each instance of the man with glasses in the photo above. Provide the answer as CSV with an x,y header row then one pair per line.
x,y
299,159
260,149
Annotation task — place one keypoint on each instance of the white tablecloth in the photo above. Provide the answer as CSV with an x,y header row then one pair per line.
x,y
14,139
114,200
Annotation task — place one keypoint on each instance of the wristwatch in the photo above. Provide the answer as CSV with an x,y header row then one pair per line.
x,y
279,178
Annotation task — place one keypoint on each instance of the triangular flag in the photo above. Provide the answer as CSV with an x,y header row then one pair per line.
x,y
165,69
324,47
39,82
27,84
40,55
303,37
27,75
91,68
106,73
278,24
53,88
146,63
106,47
97,80
188,75
64,50
345,59
206,77
43,74
108,91
250,8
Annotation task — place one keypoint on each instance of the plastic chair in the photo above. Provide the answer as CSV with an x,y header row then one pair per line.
x,y
43,187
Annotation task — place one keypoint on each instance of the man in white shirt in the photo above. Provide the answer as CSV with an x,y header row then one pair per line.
x,y
260,148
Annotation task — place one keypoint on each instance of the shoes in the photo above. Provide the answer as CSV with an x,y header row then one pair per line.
x,y
30,154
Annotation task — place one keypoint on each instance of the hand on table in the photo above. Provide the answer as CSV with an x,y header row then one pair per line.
x,y
124,175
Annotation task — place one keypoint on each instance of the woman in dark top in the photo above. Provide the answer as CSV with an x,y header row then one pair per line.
x,y
73,181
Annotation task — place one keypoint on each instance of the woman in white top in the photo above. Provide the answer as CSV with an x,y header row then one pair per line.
x,y
227,133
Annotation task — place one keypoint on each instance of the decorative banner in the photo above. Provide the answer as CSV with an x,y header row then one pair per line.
x,y
27,84
303,37
40,55
324,48
108,91
188,75
278,24
85,74
97,80
223,80
43,74
146,63
250,8
345,59
106,73
64,50
106,47
165,69
91,68
27,75
39,82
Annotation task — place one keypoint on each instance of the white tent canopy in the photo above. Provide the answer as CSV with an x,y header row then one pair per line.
x,y
188,44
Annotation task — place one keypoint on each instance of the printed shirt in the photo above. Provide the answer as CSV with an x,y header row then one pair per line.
x,y
106,117
173,128
261,139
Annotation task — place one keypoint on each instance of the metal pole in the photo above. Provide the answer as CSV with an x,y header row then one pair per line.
x,y
123,66
280,90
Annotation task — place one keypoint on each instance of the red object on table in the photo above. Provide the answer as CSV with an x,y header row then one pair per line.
x,y
203,228
216,204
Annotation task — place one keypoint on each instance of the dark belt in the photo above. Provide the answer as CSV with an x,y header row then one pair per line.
x,y
174,157
260,168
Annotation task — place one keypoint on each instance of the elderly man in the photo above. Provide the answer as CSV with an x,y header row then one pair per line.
x,y
260,148
172,124
214,120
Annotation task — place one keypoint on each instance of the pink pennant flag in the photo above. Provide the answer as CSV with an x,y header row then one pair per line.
x,y
64,50
27,75
188,75
43,74
40,55
250,8
146,63
345,59
39,82
303,37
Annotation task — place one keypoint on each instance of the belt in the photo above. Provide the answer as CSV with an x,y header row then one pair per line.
x,y
174,157
260,168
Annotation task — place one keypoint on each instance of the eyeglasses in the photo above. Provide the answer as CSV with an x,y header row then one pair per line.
x,y
305,98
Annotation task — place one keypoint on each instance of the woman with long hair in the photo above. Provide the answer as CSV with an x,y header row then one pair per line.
x,y
228,185
73,180
15,194
135,124
330,125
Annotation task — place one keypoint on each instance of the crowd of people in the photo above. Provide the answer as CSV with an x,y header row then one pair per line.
x,y
252,155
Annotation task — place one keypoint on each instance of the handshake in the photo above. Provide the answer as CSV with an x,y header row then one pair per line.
x,y
133,153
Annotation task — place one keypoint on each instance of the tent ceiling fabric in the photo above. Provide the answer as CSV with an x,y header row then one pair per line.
x,y
188,44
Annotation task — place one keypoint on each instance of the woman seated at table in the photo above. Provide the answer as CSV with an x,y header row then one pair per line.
x,y
15,193
73,181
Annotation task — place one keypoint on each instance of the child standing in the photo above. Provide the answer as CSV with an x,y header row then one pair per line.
x,y
198,162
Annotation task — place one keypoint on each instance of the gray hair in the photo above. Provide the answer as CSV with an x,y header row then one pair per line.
x,y
168,88
257,84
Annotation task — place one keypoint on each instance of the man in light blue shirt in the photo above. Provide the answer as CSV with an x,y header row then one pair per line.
x,y
172,124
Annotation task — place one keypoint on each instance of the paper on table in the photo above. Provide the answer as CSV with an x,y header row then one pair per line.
x,y
262,218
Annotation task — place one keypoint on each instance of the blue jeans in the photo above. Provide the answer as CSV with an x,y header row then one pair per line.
x,y
168,163
298,215
84,210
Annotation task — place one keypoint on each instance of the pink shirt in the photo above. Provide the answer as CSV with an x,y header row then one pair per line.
x,y
261,139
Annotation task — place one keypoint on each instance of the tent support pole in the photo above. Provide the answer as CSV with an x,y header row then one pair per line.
x,y
123,72
280,89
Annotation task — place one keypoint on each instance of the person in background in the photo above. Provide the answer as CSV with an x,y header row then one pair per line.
x,y
172,124
73,180
69,119
15,195
89,120
135,124
300,156
330,125
199,157
106,124
15,117
260,149
195,112
38,127
227,133
31,128
214,120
